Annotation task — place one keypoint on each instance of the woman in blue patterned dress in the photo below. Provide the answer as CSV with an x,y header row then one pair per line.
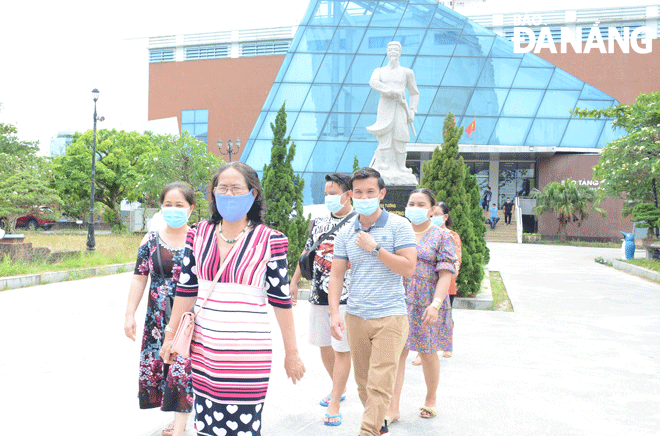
x,y
426,298
168,386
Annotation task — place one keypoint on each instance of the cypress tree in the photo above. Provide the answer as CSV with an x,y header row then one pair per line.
x,y
356,163
283,191
477,217
446,175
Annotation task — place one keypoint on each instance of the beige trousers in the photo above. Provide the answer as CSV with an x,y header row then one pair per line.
x,y
376,346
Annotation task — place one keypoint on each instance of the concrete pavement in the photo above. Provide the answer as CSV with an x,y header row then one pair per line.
x,y
580,355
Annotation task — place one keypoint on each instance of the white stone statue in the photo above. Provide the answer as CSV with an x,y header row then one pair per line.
x,y
393,117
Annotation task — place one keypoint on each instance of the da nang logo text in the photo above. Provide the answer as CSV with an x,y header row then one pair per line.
x,y
524,39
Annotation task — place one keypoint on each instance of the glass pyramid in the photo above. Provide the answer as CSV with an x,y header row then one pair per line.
x,y
460,66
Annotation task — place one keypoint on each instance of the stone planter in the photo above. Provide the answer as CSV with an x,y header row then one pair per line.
x,y
531,238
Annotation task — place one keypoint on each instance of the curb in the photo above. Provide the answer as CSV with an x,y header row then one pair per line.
x,y
15,282
483,300
636,270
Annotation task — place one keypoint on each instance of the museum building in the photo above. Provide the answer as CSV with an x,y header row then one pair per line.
x,y
230,84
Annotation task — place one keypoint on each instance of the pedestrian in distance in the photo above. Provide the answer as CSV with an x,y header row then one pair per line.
x,y
427,300
493,216
380,248
335,354
485,198
164,385
231,350
508,208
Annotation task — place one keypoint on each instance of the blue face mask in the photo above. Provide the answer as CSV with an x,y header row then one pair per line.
x,y
366,206
333,203
438,220
175,217
234,207
416,215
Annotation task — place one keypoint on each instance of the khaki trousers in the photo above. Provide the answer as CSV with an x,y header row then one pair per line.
x,y
376,346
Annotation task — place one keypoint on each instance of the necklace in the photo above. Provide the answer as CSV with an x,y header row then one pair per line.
x,y
425,230
343,216
231,241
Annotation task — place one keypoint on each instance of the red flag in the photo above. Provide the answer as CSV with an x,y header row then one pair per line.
x,y
472,127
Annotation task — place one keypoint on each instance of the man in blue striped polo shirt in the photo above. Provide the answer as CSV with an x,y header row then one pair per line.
x,y
381,249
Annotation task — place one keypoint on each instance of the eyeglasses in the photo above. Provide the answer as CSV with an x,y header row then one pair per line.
x,y
235,189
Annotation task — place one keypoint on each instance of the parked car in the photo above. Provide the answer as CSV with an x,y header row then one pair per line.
x,y
39,218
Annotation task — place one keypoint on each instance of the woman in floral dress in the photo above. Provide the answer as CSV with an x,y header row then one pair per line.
x,y
168,386
426,297
231,350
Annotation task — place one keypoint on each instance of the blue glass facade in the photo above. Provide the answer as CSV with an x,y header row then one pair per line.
x,y
460,67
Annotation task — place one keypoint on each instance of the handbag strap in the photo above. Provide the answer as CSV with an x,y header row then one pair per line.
x,y
331,231
160,263
217,275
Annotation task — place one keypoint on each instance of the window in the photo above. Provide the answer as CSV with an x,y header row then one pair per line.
x,y
196,122
207,52
265,48
161,55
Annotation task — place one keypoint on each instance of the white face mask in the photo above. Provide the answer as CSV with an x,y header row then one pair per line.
x,y
333,203
416,215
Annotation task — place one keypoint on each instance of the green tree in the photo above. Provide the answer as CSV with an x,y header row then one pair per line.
x,y
569,201
121,159
181,158
24,178
477,216
629,167
24,185
11,145
283,192
445,174
356,163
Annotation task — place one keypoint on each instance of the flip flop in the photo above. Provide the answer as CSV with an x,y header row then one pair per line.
x,y
334,424
325,403
431,412
168,430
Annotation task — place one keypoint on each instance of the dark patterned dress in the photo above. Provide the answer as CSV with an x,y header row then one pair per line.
x,y
435,251
231,350
166,386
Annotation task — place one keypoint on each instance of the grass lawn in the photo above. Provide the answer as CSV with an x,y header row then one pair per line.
x,y
110,249
501,300
646,263
578,243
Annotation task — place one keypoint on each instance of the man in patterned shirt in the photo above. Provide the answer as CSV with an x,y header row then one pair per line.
x,y
335,354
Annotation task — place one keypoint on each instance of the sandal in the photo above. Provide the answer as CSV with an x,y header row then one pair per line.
x,y
446,354
334,424
428,412
168,430
325,403
417,361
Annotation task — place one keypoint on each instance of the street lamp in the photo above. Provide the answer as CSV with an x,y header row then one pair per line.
x,y
91,244
230,150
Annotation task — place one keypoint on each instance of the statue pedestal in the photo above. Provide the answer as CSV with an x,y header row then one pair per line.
x,y
399,179
396,198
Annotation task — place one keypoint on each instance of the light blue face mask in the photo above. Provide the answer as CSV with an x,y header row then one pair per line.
x,y
333,203
366,206
416,215
234,207
438,220
175,217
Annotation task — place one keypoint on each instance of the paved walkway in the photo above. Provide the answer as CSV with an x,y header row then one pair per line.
x,y
579,356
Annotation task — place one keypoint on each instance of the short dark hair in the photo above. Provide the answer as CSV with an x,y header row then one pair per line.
x,y
256,212
365,173
426,191
445,210
488,187
183,188
343,180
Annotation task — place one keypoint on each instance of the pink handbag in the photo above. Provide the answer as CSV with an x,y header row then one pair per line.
x,y
184,332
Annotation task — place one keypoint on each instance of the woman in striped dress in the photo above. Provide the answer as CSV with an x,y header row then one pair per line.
x,y
231,349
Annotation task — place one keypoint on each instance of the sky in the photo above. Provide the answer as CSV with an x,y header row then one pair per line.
x,y
54,53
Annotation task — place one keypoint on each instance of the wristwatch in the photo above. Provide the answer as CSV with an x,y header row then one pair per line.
x,y
375,251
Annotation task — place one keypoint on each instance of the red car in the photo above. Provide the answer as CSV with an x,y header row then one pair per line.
x,y
38,218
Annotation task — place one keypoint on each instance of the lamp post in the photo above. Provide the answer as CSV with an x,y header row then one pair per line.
x,y
230,150
91,244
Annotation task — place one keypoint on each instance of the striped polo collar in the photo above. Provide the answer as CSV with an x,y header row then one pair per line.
x,y
380,222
